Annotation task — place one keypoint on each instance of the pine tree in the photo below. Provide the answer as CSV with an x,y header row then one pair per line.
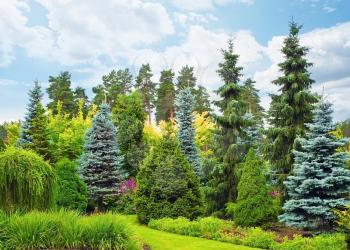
x,y
292,108
251,96
320,181
224,181
102,161
165,97
113,84
80,95
186,133
147,89
35,96
186,78
202,101
254,205
167,184
60,90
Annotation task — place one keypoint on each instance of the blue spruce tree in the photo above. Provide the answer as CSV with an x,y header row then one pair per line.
x,y
186,134
35,96
102,161
320,181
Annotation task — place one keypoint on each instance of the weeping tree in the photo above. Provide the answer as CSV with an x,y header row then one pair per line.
x,y
26,181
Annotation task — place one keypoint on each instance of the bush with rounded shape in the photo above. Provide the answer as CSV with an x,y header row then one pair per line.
x,y
166,184
72,191
26,181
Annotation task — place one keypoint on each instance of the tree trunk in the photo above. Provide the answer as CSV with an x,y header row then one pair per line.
x,y
100,204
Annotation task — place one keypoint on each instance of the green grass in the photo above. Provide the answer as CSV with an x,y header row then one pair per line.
x,y
159,240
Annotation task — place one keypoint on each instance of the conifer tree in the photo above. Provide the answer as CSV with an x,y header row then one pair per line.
x,y
60,90
80,95
254,205
186,78
224,181
165,97
147,89
202,101
320,181
101,163
186,133
251,96
292,107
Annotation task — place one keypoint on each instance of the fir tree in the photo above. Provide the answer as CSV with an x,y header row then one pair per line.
x,y
35,96
251,96
186,133
186,78
224,181
292,108
147,89
165,97
60,90
101,163
254,205
320,181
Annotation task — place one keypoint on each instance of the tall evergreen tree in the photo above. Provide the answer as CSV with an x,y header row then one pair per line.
x,y
165,96
147,89
224,181
60,90
130,119
113,84
251,96
79,94
186,78
320,181
35,96
202,100
186,133
292,107
101,163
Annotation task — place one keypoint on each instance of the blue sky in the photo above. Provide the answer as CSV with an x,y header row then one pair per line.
x,y
39,38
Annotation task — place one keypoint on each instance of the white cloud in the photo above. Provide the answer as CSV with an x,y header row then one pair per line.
x,y
205,5
190,18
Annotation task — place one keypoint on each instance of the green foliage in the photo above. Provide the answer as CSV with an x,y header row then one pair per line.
x,y
292,107
60,90
101,163
26,181
251,95
202,100
186,78
186,133
130,119
254,204
256,237
165,97
147,89
66,230
320,181
71,190
167,185
113,84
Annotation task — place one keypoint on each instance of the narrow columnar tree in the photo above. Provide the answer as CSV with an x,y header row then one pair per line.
x,y
101,163
292,107
186,133
320,181
165,97
147,89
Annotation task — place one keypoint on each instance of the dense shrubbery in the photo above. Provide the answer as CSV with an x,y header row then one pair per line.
x,y
65,230
167,185
227,231
26,181
71,190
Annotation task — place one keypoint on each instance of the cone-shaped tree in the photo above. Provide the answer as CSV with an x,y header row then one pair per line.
x,y
254,205
147,89
292,107
167,186
320,181
35,96
165,97
101,163
186,133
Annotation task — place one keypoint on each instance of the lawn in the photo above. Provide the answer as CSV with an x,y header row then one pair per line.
x,y
158,240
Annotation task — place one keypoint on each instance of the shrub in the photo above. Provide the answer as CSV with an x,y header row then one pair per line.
x,y
66,230
167,185
26,181
256,237
254,205
72,192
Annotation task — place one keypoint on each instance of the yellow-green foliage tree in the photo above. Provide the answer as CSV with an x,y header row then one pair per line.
x,y
204,127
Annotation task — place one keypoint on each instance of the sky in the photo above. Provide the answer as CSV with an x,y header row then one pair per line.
x,y
89,38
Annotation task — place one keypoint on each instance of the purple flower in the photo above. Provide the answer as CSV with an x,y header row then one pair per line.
x,y
127,186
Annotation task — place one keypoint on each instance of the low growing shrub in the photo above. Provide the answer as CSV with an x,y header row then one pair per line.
x,y
66,230
256,237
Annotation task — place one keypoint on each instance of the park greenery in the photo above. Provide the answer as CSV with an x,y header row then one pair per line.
x,y
102,172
